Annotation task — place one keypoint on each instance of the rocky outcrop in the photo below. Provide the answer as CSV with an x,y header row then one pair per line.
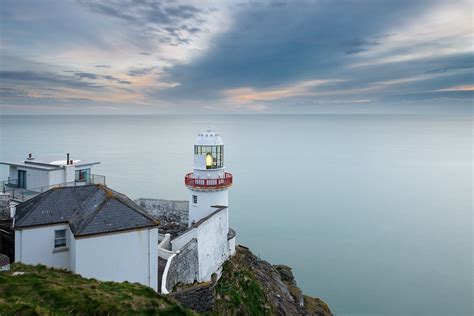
x,y
199,297
250,286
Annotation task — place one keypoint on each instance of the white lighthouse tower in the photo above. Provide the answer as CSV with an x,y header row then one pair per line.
x,y
208,184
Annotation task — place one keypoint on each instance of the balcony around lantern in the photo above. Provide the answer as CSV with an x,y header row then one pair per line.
x,y
208,184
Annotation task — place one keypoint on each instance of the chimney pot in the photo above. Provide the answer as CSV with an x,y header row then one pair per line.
x,y
67,159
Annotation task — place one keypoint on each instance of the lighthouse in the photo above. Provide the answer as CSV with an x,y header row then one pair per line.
x,y
208,184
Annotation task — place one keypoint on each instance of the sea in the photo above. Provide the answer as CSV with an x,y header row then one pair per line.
x,y
373,212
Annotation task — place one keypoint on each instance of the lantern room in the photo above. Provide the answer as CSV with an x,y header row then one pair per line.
x,y
208,151
208,183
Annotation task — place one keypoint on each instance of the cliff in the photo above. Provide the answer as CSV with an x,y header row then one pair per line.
x,y
248,286
39,290
251,286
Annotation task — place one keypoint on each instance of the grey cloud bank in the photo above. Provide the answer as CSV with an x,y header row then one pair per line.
x,y
275,57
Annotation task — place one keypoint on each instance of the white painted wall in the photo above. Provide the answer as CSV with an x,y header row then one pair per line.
x,y
36,246
130,256
35,178
208,173
205,199
72,251
213,248
231,246
56,176
13,173
164,247
69,173
180,241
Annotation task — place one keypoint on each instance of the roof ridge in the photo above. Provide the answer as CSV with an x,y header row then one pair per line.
x,y
95,212
82,202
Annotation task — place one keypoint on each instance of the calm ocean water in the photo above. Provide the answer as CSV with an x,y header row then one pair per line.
x,y
374,213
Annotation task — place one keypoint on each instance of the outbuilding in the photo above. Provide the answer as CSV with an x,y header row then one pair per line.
x,y
91,230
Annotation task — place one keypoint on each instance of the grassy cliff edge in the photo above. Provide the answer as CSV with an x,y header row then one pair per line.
x,y
248,286
44,291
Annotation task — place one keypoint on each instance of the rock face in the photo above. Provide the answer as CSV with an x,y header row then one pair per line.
x,y
199,298
253,286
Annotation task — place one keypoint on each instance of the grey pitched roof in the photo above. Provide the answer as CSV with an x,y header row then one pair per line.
x,y
89,210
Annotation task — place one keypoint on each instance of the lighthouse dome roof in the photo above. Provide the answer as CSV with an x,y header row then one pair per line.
x,y
209,138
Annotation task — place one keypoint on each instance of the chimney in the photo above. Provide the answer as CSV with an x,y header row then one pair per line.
x,y
12,209
67,159
30,157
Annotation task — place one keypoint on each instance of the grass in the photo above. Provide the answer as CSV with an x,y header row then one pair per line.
x,y
46,291
238,293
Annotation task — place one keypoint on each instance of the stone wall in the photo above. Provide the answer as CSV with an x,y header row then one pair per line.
x,y
7,236
200,298
184,267
4,206
173,215
7,239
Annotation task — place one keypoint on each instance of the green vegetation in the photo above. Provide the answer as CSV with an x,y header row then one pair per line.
x,y
45,291
238,293
315,306
248,286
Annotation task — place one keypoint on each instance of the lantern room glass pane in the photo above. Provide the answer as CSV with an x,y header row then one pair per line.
x,y
217,153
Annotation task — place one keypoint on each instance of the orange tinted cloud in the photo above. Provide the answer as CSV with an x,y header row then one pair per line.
x,y
247,94
467,87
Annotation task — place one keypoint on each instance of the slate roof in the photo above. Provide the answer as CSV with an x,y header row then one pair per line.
x,y
89,210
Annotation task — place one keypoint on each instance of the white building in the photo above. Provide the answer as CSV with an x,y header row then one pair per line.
x,y
209,182
29,177
199,251
90,230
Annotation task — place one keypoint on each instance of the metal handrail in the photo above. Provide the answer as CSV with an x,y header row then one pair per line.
x,y
22,194
226,181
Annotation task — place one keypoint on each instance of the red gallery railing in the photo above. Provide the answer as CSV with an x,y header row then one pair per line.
x,y
198,183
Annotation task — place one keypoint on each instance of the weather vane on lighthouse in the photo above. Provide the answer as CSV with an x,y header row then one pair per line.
x,y
209,182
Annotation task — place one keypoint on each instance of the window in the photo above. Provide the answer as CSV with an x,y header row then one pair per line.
x,y
83,175
59,238
195,199
214,155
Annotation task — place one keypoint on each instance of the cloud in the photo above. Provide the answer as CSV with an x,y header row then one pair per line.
x,y
174,24
31,86
93,76
45,78
268,46
304,88
358,45
138,72
468,87
275,56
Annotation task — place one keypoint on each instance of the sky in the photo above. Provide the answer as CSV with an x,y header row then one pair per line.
x,y
253,56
